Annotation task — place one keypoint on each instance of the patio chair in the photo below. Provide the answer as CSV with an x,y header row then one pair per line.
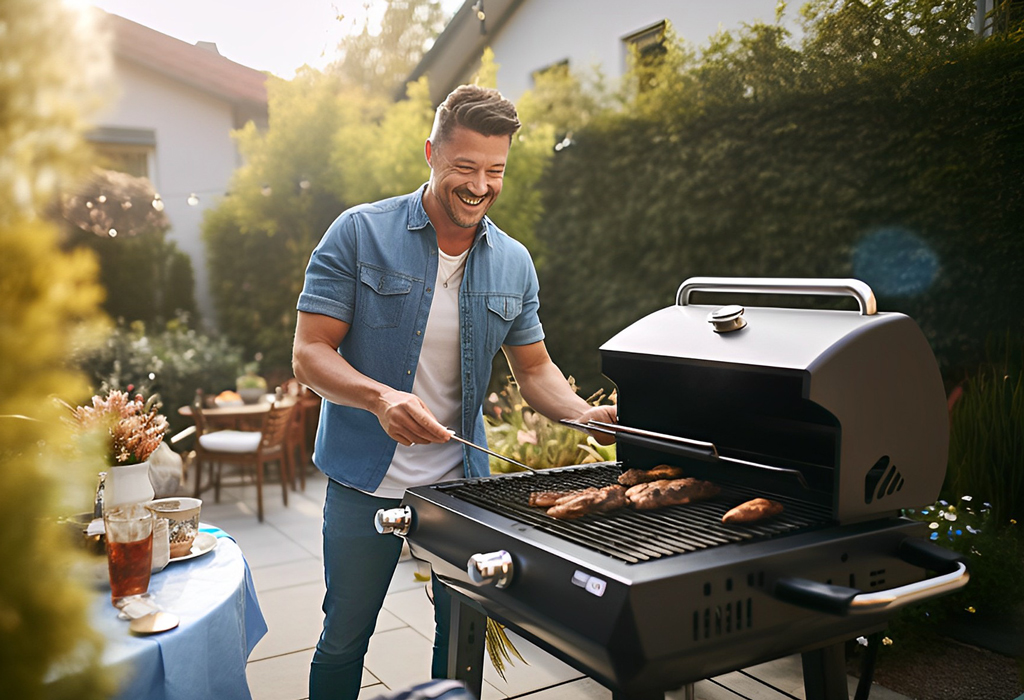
x,y
306,402
249,450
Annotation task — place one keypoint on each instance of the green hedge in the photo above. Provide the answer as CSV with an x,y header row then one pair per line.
x,y
909,180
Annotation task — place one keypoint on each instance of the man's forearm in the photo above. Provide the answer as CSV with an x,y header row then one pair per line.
x,y
548,392
330,375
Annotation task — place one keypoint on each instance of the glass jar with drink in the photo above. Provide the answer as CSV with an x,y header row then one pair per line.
x,y
129,551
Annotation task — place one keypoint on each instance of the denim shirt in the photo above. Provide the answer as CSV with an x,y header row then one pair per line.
x,y
375,269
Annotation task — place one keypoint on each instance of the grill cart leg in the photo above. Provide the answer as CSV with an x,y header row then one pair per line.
x,y
466,644
825,673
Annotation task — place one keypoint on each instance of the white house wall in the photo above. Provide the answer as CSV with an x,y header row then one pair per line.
x,y
194,154
589,32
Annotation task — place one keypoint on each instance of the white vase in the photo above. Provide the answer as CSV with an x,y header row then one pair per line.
x,y
127,484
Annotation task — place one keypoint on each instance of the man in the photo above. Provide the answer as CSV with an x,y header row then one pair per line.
x,y
406,301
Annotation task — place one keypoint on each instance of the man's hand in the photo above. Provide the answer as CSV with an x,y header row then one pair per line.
x,y
604,414
407,419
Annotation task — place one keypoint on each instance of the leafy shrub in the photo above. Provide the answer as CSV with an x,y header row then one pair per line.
x,y
992,549
517,431
172,362
986,443
845,158
48,648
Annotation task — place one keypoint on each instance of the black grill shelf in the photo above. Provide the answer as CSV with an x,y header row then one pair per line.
x,y
628,535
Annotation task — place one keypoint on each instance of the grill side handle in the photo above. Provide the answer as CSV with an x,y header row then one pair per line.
x,y
844,287
841,600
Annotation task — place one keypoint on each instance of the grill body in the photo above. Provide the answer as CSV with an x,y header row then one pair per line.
x,y
655,624
839,415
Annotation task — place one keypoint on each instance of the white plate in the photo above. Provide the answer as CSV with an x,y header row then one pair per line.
x,y
203,543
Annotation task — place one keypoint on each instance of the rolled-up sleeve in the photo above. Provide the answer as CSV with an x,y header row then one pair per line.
x,y
330,283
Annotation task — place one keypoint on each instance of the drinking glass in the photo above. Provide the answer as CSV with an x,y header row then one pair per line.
x,y
129,551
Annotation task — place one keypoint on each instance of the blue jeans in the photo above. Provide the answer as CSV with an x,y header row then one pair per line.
x,y
358,566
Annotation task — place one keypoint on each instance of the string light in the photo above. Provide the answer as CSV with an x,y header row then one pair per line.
x,y
192,200
158,203
265,190
112,233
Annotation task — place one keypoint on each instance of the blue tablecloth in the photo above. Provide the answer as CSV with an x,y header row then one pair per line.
x,y
204,657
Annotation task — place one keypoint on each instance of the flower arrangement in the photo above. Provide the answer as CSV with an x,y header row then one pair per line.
x,y
135,427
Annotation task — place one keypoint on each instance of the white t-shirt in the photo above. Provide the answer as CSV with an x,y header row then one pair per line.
x,y
438,383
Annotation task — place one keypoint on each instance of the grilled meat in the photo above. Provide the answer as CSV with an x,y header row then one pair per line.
x,y
752,511
589,501
632,477
546,499
670,492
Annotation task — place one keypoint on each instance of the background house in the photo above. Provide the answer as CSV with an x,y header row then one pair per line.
x,y
529,36
172,122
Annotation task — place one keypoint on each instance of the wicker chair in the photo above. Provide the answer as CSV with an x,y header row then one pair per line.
x,y
250,450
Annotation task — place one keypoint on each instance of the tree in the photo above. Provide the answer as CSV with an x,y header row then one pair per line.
x,y
379,58
120,219
50,300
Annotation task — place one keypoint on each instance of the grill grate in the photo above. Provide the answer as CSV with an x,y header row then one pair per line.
x,y
628,535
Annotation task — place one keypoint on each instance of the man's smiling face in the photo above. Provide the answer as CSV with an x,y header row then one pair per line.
x,y
466,172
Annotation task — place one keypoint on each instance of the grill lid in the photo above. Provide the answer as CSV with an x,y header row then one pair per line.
x,y
854,400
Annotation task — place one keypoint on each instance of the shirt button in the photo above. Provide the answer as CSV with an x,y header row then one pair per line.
x,y
428,290
408,371
419,332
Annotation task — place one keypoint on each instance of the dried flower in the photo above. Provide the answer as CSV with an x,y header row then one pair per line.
x,y
135,427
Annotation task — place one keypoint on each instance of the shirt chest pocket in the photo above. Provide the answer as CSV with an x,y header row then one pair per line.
x,y
383,297
502,311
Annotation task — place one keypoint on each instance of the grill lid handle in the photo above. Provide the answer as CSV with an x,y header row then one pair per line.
x,y
782,285
840,600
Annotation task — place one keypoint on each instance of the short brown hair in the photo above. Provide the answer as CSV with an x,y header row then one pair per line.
x,y
482,110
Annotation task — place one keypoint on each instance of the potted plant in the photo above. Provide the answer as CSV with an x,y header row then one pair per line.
x,y
134,430
251,387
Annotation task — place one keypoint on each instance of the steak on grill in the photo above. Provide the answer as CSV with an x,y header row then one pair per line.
x,y
632,477
590,501
670,492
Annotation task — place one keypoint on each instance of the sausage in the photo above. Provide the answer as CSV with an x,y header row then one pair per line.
x,y
752,511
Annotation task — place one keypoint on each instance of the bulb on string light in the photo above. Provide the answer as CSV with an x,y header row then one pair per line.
x,y
88,205
102,199
193,200
126,204
158,203
304,184
112,233
265,190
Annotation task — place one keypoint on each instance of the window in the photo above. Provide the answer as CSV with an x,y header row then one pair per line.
x,y
648,43
128,151
555,71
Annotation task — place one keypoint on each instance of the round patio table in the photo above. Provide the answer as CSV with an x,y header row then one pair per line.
x,y
204,657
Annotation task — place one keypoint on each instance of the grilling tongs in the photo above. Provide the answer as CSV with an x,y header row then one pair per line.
x,y
698,449
458,438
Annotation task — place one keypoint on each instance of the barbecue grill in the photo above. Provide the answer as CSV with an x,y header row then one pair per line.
x,y
838,415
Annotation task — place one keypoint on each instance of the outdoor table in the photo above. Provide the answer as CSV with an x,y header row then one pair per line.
x,y
247,416
204,657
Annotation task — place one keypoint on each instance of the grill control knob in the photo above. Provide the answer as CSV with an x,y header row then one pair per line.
x,y
396,521
493,567
727,318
